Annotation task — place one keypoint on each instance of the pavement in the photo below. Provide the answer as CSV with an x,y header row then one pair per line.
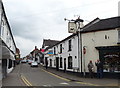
x,y
13,78
91,81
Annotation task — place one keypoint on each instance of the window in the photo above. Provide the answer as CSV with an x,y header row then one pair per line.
x,y
50,62
69,45
105,36
60,62
111,62
70,62
60,48
55,62
118,36
54,50
10,63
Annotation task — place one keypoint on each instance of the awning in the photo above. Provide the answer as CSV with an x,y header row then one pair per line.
x,y
117,48
7,54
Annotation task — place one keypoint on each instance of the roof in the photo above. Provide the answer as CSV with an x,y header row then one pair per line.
x,y
102,24
49,43
74,34
95,25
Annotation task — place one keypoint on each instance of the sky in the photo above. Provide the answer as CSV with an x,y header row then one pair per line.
x,y
31,21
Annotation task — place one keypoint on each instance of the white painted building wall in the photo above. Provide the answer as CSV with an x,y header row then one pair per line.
x,y
65,53
6,35
95,39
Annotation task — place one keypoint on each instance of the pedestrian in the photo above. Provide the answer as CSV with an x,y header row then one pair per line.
x,y
99,69
90,68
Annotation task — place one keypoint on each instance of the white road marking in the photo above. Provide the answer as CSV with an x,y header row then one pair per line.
x,y
64,83
47,85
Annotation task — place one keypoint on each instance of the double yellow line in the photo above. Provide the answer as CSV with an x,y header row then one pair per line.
x,y
25,81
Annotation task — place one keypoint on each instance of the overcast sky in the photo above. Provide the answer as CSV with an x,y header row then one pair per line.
x,y
32,21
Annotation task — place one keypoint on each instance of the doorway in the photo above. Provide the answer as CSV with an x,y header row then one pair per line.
x,y
64,64
57,63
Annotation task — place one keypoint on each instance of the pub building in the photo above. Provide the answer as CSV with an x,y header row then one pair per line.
x,y
102,38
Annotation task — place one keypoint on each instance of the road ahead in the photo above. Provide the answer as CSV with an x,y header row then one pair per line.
x,y
24,75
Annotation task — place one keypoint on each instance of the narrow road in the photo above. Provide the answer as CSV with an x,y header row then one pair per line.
x,y
24,75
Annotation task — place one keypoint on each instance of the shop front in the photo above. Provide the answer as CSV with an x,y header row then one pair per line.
x,y
110,57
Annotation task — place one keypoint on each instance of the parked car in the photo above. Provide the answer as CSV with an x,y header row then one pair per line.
x,y
23,61
30,61
34,64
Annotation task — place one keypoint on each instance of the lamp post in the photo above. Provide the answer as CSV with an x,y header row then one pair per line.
x,y
78,24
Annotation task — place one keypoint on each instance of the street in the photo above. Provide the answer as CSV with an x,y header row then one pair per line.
x,y
24,75
35,77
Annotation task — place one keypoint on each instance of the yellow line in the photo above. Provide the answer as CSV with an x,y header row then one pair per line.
x,y
26,81
56,75
68,79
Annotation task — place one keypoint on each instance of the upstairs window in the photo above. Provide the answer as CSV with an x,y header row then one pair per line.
x,y
60,48
69,45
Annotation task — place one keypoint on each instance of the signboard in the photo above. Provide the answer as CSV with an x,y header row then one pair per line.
x,y
72,28
50,52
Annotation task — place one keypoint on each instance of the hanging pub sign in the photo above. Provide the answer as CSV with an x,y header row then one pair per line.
x,y
72,27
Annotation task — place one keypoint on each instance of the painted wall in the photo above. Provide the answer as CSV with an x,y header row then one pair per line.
x,y
65,53
95,39
6,35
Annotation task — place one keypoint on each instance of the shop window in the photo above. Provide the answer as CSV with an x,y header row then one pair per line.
x,y
111,62
70,62
60,62
69,45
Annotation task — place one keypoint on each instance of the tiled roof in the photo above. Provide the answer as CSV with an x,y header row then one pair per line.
x,y
49,43
103,24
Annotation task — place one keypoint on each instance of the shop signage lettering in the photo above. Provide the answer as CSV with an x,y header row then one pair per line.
x,y
114,55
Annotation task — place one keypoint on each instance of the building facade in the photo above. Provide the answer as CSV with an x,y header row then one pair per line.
x,y
100,40
8,46
64,54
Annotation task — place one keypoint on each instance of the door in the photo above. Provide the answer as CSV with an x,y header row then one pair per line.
x,y
4,68
64,64
57,63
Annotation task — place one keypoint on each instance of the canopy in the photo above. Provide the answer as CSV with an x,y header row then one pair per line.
x,y
7,54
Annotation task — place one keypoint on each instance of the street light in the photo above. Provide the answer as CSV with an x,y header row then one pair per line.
x,y
78,22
